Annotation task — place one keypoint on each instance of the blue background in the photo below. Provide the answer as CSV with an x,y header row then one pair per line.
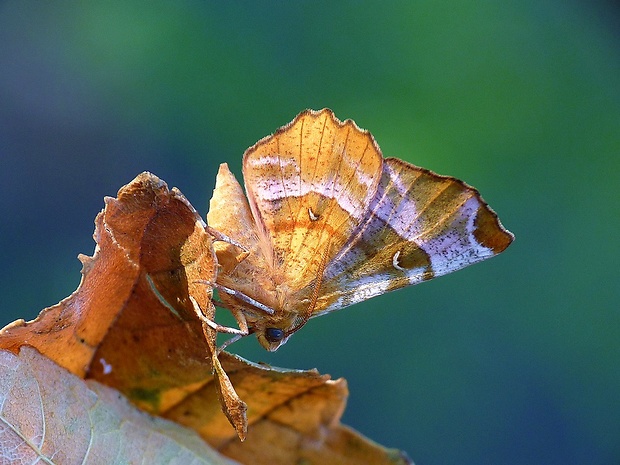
x,y
516,360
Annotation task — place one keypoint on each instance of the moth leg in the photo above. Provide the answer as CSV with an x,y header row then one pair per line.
x,y
243,329
238,333
216,302
228,342
216,326
244,298
218,236
239,295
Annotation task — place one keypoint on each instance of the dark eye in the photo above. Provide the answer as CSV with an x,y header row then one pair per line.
x,y
274,334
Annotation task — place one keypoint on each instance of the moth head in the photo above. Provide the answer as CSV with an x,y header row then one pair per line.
x,y
272,317
271,338
271,334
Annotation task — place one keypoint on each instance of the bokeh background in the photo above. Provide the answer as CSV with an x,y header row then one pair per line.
x,y
515,360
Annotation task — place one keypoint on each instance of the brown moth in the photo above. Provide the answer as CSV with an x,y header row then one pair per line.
x,y
329,222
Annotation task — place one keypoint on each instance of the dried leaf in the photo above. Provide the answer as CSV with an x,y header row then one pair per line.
x,y
132,325
149,240
49,415
152,254
294,417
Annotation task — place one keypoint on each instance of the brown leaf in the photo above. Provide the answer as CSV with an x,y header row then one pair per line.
x,y
152,254
132,325
49,415
149,239
294,417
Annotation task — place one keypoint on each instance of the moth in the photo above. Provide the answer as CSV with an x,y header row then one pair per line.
x,y
328,222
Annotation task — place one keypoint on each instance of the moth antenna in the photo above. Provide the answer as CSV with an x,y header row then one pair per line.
x,y
315,292
319,282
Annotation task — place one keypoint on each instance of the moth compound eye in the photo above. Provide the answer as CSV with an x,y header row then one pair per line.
x,y
274,334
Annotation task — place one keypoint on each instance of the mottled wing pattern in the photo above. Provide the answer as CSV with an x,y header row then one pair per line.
x,y
328,219
309,186
419,225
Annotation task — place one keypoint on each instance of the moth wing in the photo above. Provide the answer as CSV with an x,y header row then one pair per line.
x,y
419,225
309,186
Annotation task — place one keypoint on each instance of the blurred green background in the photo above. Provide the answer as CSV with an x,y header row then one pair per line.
x,y
516,360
